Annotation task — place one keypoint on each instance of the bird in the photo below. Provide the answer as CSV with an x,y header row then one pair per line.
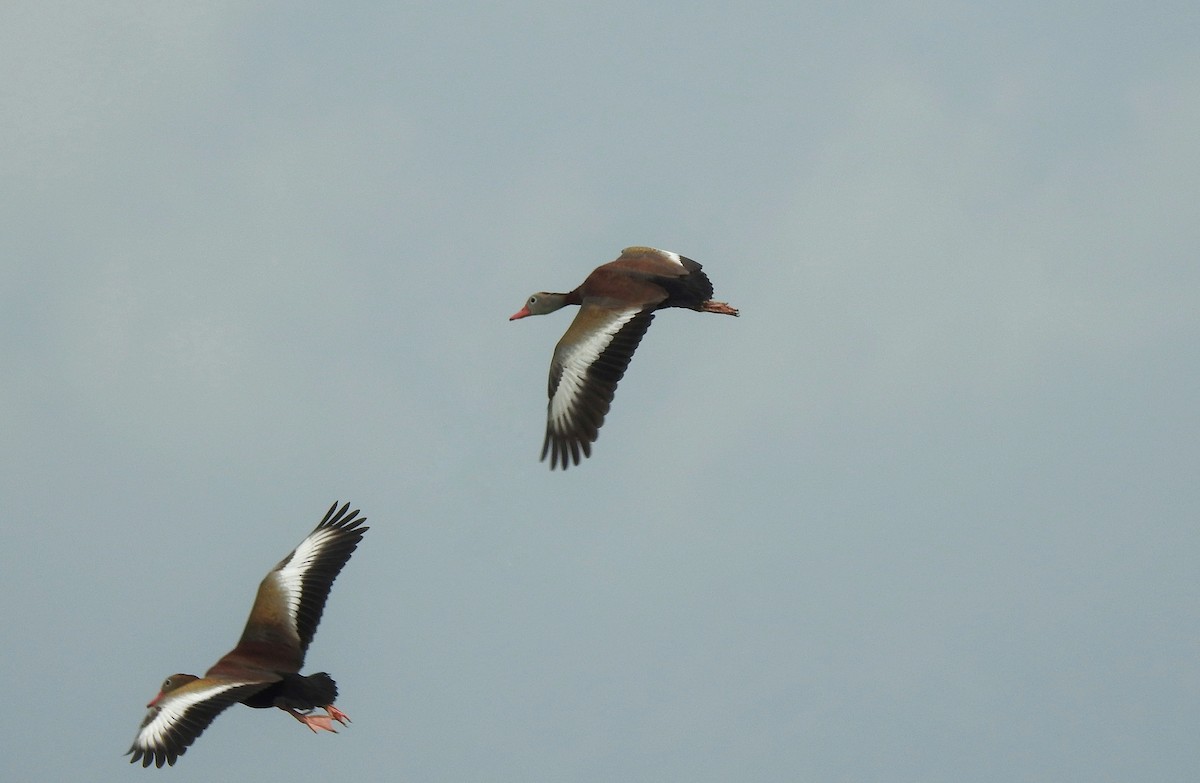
x,y
263,670
617,303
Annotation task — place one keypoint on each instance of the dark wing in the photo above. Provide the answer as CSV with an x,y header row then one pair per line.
x,y
178,718
588,362
291,599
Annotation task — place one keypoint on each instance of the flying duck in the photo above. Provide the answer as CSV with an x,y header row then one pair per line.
x,y
264,669
617,303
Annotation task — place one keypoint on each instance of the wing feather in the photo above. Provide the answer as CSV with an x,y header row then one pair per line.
x,y
291,599
589,361
178,718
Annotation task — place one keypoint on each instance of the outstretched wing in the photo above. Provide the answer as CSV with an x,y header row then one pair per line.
x,y
179,717
588,362
292,597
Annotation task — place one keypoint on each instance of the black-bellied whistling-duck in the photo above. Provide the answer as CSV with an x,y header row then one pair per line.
x,y
264,669
617,302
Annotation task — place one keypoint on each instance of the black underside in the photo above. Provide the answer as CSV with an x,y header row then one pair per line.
x,y
687,291
297,692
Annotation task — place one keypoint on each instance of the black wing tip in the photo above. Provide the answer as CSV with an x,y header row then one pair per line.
x,y
343,519
157,757
565,450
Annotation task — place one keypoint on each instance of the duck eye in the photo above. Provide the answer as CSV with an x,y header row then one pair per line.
x,y
532,299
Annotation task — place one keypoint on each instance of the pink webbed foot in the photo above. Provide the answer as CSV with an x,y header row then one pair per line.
x,y
337,715
315,722
709,306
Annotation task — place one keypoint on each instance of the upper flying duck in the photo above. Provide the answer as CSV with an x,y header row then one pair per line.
x,y
264,669
617,302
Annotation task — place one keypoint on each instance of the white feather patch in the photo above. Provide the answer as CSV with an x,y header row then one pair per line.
x,y
672,257
172,709
290,578
575,360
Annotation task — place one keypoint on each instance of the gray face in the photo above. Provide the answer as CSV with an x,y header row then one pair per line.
x,y
543,302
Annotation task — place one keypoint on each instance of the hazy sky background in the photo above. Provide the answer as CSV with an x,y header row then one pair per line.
x,y
925,512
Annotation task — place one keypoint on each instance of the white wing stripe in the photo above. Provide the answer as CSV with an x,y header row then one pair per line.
x,y
290,578
672,257
576,359
172,709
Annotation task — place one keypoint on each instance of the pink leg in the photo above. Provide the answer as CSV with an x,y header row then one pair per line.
x,y
337,714
314,722
710,306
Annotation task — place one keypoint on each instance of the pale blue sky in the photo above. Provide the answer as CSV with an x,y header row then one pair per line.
x,y
925,512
